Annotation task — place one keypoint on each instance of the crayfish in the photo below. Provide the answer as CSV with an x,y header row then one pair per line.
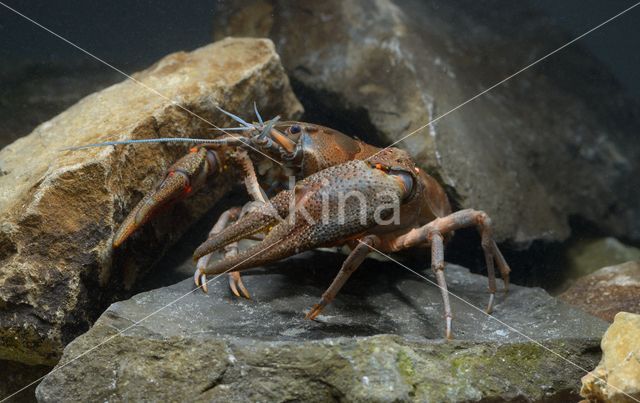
x,y
391,204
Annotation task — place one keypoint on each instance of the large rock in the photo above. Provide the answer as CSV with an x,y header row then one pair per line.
x,y
553,142
59,210
381,340
617,377
607,291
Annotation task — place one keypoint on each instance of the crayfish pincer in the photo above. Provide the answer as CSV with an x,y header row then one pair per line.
x,y
347,192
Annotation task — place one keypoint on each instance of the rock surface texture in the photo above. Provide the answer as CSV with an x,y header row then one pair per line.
x,y
59,210
551,143
617,377
381,340
607,291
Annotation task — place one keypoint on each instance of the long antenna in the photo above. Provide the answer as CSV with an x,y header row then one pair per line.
x,y
160,140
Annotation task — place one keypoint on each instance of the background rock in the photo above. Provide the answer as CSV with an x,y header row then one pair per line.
x,y
381,340
550,144
59,210
607,291
585,256
617,377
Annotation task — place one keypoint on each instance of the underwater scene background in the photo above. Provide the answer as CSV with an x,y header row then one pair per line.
x,y
527,111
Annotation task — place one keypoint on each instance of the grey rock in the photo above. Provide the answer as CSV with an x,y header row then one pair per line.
x,y
59,210
380,340
553,142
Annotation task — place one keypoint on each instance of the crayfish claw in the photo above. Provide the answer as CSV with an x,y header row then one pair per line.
x,y
232,286
235,283
196,277
201,280
199,277
184,177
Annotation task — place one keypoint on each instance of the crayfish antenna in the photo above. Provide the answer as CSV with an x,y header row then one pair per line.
x,y
267,129
231,129
236,118
225,141
255,108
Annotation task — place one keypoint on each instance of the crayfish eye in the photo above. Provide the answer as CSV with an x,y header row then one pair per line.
x,y
406,181
295,129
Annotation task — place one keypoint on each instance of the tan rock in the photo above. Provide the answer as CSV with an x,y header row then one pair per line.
x,y
607,291
59,210
617,377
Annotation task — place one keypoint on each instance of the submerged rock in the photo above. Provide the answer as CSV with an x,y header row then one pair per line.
x,y
59,210
553,142
607,291
380,340
617,377
585,256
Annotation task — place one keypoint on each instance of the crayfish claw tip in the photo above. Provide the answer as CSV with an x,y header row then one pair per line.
x,y
196,277
203,280
244,291
232,285
200,279
237,286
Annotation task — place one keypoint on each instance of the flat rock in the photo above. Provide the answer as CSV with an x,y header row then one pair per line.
x,y
617,377
554,142
607,291
59,210
380,340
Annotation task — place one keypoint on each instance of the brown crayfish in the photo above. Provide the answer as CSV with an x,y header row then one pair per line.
x,y
326,164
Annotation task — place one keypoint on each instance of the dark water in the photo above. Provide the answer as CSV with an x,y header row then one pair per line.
x,y
41,75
